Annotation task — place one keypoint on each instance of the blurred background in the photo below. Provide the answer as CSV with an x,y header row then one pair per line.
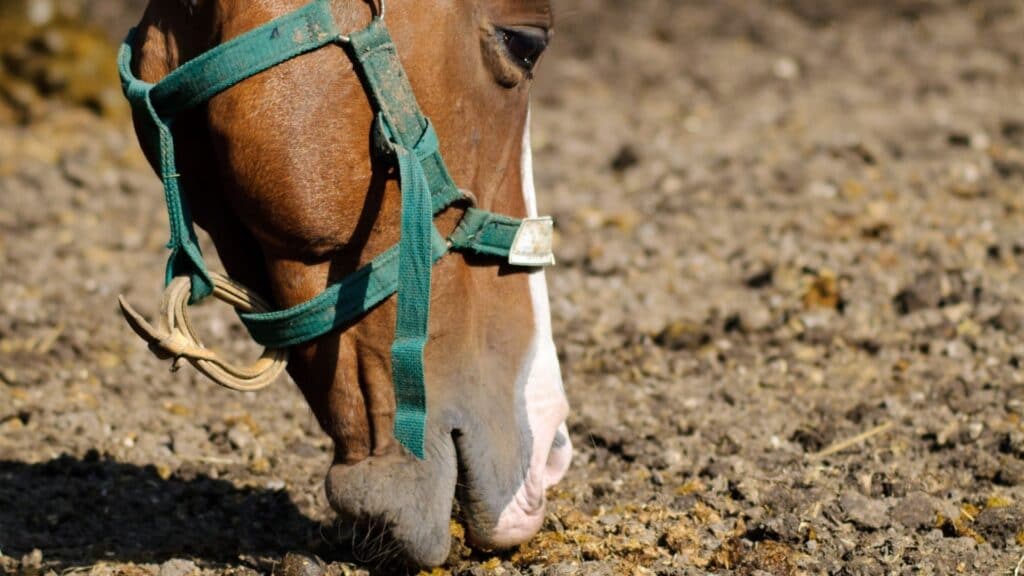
x,y
788,304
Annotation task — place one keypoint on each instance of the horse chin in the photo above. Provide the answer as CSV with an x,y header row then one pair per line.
x,y
398,505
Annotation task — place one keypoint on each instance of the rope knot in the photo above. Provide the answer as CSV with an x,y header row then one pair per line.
x,y
174,338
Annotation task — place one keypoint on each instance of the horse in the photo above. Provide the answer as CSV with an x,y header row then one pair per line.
x,y
290,167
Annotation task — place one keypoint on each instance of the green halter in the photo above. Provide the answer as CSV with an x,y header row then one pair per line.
x,y
404,137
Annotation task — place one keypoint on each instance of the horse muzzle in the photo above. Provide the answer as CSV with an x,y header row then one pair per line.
x,y
499,473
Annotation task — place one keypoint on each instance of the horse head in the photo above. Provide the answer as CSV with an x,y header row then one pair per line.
x,y
284,170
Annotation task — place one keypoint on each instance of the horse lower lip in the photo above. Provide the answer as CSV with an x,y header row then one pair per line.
x,y
411,498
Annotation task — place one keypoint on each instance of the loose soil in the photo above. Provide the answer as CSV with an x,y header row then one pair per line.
x,y
789,304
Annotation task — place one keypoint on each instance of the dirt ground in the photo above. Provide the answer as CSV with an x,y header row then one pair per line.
x,y
789,303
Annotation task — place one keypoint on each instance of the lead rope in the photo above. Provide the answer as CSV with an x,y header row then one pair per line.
x,y
175,337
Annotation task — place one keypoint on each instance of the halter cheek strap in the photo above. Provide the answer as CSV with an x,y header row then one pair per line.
x,y
406,138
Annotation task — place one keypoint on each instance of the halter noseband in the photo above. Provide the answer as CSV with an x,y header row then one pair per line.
x,y
403,136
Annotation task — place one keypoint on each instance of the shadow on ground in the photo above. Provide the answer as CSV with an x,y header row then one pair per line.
x,y
83,511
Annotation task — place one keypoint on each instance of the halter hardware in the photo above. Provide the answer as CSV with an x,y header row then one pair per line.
x,y
407,139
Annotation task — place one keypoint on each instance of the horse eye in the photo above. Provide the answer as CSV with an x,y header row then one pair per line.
x,y
524,44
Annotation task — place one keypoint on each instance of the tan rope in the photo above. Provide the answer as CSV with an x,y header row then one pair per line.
x,y
174,337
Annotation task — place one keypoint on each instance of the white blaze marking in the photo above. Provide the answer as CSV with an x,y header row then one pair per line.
x,y
538,281
546,407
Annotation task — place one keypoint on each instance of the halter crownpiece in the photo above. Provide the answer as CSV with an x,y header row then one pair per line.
x,y
404,137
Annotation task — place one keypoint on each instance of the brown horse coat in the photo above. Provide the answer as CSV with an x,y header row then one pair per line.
x,y
278,170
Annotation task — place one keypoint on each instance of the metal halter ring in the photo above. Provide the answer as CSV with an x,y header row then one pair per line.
x,y
346,39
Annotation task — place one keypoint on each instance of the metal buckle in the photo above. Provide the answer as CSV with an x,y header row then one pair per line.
x,y
532,245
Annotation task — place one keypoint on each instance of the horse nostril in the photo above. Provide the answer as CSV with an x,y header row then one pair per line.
x,y
558,458
559,441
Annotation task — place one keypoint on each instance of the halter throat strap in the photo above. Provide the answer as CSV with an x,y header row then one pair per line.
x,y
404,137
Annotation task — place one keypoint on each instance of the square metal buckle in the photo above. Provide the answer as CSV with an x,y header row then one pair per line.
x,y
532,245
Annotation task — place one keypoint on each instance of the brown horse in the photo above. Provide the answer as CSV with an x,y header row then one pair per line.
x,y
279,171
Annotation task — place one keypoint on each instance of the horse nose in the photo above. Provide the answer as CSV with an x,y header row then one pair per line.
x,y
547,409
523,516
